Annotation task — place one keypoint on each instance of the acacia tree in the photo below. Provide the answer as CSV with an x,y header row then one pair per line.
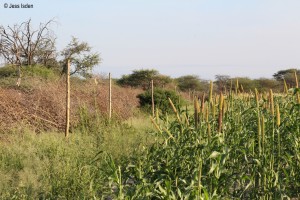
x,y
287,75
81,58
190,82
142,78
139,78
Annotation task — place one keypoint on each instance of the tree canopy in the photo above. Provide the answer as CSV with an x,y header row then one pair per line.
x,y
288,75
190,82
81,58
142,78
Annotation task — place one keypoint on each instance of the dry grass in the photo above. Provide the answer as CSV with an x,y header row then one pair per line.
x,y
40,104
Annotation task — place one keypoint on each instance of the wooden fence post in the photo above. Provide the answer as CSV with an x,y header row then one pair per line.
x,y
152,98
109,99
67,99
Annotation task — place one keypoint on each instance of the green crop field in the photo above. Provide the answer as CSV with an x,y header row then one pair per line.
x,y
240,147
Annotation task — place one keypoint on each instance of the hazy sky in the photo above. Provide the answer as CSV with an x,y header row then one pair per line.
x,y
253,38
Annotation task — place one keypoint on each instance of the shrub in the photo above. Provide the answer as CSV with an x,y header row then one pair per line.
x,y
160,99
38,71
8,71
32,70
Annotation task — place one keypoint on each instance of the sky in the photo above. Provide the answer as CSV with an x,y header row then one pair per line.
x,y
249,38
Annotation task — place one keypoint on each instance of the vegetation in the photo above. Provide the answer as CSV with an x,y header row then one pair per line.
x,y
287,75
142,78
81,58
191,82
240,144
39,102
22,45
46,166
194,85
243,147
160,100
7,71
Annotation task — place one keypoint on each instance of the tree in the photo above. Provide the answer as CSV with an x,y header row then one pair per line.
x,y
265,84
190,82
245,84
161,80
19,44
222,82
81,58
142,78
46,54
287,75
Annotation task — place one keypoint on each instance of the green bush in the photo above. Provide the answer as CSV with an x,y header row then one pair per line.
x,y
160,99
38,71
33,71
8,71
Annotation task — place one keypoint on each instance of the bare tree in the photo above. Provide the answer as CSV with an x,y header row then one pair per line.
x,y
222,82
20,43
46,53
23,45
